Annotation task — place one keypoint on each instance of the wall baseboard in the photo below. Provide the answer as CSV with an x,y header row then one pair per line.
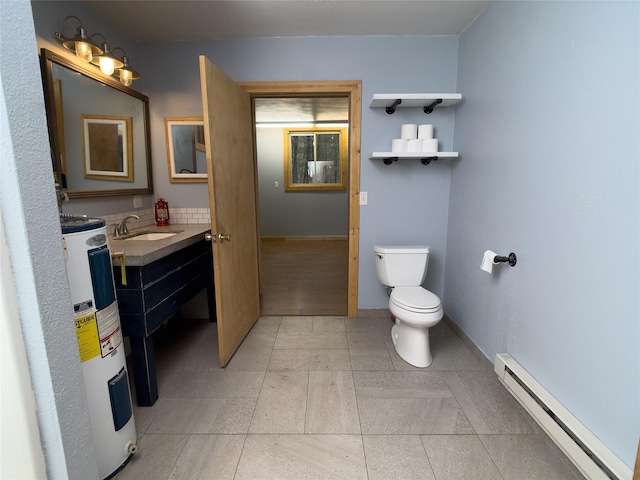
x,y
462,335
594,459
284,239
374,313
557,422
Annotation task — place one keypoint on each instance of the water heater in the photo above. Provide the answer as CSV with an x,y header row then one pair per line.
x,y
100,344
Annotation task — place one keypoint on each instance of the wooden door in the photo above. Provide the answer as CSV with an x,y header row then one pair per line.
x,y
228,128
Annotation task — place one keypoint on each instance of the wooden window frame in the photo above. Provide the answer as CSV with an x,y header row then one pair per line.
x,y
297,187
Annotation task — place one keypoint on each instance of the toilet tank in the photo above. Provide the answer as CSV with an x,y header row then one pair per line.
x,y
401,266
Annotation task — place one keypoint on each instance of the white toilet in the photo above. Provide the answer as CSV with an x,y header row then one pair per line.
x,y
402,270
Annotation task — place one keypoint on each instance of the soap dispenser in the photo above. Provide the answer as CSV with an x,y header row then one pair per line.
x,y
162,212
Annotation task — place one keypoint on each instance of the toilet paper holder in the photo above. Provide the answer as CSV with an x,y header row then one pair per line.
x,y
511,259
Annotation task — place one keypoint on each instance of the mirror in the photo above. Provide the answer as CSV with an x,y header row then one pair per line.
x,y
98,130
186,154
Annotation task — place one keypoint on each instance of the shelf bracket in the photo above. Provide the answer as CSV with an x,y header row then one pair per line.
x,y
390,160
429,108
428,160
392,108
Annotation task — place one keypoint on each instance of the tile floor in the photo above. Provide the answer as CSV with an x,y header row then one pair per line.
x,y
329,398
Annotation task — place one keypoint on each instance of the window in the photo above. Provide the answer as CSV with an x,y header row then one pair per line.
x,y
315,159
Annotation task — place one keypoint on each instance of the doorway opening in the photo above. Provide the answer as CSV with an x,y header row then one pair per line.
x,y
326,253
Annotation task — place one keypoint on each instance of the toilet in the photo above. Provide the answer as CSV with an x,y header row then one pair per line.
x,y
402,270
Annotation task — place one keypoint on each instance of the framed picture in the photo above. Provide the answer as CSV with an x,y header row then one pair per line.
x,y
107,147
186,151
315,159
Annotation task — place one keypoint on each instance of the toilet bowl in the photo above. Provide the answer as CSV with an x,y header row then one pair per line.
x,y
402,270
416,310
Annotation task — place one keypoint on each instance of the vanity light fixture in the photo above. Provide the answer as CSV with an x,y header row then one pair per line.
x,y
101,56
107,62
81,44
126,73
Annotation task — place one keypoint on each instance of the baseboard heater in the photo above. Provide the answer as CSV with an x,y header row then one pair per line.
x,y
587,453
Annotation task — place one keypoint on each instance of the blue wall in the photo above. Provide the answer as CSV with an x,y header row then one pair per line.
x,y
408,202
549,137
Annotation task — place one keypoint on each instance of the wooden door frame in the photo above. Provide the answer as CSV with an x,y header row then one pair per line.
x,y
353,90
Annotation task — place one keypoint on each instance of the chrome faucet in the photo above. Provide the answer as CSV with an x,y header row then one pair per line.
x,y
122,228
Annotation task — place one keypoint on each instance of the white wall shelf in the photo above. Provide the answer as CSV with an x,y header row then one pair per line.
x,y
428,101
424,157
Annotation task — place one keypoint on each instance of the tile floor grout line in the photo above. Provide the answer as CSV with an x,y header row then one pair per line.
x,y
244,443
175,462
435,475
372,465
484,447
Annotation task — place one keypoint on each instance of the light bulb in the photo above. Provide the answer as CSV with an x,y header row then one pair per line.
x,y
106,65
125,77
83,51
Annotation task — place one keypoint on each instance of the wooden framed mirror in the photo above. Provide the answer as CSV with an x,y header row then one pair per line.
x,y
78,97
186,154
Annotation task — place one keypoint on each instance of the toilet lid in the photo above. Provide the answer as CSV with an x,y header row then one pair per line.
x,y
416,299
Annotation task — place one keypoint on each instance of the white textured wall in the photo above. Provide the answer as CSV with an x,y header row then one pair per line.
x,y
548,133
33,235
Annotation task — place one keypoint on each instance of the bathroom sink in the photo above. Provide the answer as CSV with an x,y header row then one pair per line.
x,y
152,236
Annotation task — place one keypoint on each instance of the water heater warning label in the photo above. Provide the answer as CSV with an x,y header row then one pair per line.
x,y
109,329
87,335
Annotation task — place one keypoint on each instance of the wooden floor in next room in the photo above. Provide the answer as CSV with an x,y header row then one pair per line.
x,y
304,276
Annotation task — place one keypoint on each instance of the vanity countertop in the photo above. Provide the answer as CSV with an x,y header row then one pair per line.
x,y
143,252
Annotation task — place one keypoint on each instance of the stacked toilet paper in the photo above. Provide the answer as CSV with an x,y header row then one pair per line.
x,y
415,138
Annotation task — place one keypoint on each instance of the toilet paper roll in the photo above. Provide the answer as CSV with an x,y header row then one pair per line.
x,y
414,145
487,261
399,145
430,145
409,131
425,131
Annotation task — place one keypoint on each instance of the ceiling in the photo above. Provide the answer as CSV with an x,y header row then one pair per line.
x,y
169,20
306,110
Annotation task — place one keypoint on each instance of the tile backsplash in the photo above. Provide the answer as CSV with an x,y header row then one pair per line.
x,y
177,216
189,215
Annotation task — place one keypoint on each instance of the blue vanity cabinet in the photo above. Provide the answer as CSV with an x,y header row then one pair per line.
x,y
153,294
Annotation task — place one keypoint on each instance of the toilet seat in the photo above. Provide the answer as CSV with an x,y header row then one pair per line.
x,y
415,299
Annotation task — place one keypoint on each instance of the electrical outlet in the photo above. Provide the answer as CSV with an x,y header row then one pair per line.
x,y
364,198
137,201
